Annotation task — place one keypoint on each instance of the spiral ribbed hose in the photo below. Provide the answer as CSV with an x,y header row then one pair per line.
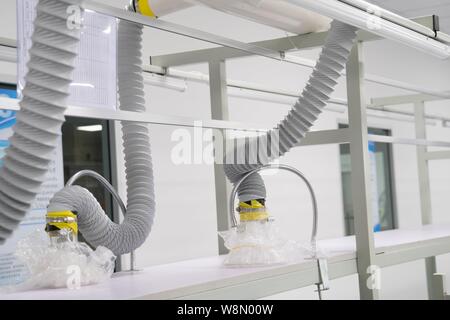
x,y
93,224
300,119
38,129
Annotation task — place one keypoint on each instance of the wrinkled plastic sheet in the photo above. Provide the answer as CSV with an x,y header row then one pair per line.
x,y
257,243
61,264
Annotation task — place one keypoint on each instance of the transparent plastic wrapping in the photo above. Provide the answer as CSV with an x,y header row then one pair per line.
x,y
260,243
61,263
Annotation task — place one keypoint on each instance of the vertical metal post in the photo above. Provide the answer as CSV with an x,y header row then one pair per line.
x,y
114,155
425,193
439,285
219,111
360,175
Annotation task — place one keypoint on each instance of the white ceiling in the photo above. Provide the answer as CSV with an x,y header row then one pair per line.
x,y
418,8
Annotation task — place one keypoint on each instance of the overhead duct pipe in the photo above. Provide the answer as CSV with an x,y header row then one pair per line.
x,y
300,16
275,13
159,8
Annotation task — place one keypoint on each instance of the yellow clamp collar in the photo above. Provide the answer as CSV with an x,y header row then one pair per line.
x,y
63,220
145,9
254,211
254,204
253,216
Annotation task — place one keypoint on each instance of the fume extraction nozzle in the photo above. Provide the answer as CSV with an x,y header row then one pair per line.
x,y
62,226
55,259
256,240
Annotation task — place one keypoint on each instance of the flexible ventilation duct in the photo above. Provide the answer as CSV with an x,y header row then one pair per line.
x,y
256,152
298,122
38,129
93,224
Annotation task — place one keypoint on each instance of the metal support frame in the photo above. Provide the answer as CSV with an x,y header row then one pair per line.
x,y
114,154
440,288
360,163
219,111
425,192
434,281
284,44
423,170
437,155
399,100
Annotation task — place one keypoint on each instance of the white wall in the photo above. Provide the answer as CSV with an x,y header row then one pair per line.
x,y
185,227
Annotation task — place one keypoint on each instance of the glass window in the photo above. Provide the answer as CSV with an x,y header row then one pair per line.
x,y
86,147
381,184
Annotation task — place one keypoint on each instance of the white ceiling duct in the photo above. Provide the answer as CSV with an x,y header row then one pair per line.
x,y
275,13
299,17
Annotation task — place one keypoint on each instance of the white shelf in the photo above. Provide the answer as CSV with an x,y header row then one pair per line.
x,y
208,279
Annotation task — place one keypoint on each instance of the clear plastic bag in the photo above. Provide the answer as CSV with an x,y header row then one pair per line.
x,y
61,263
260,243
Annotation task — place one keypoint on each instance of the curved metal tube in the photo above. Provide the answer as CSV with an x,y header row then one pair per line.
x,y
105,183
286,168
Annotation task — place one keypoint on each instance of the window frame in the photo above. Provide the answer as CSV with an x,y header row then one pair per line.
x,y
348,223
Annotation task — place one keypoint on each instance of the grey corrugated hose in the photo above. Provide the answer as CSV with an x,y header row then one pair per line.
x,y
93,224
38,128
300,119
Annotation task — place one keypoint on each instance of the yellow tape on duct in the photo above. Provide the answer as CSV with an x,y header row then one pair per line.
x,y
255,204
255,211
145,9
64,225
254,216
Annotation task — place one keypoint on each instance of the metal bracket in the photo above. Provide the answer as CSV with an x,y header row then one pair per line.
x,y
324,280
440,287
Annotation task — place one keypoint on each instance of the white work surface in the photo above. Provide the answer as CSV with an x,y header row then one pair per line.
x,y
197,278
